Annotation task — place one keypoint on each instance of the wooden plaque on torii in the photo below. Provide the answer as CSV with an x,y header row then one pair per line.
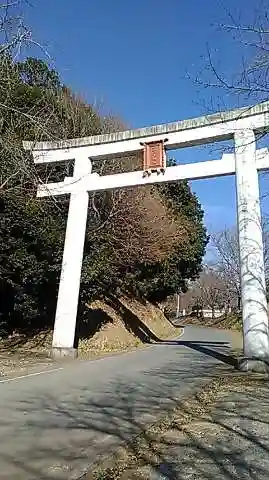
x,y
154,157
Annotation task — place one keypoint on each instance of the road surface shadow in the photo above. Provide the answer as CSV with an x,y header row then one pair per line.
x,y
57,433
72,435
213,349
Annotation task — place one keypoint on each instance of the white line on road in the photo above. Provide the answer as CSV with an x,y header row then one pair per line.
x,y
7,380
30,375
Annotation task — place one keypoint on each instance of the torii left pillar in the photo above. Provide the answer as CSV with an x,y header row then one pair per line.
x,y
68,295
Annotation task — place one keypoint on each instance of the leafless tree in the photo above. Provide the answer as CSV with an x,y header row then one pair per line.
x,y
249,83
209,291
15,34
143,229
15,40
227,259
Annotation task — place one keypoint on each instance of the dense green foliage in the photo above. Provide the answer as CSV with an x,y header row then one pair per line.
x,y
35,105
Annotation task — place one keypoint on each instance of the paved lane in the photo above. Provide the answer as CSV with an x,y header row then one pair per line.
x,y
55,424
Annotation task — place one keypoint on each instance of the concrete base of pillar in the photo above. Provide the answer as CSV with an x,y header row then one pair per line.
x,y
253,365
61,352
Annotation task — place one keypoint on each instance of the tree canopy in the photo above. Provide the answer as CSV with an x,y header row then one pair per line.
x,y
145,241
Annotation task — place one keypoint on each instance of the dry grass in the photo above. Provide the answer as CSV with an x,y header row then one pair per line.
x,y
228,322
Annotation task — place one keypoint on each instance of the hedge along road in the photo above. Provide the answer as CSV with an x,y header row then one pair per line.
x,y
55,424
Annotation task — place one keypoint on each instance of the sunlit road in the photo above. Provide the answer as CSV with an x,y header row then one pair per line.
x,y
54,425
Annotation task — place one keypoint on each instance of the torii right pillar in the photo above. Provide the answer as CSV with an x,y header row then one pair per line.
x,y
253,288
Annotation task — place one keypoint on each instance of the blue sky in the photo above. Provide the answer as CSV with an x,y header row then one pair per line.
x,y
134,59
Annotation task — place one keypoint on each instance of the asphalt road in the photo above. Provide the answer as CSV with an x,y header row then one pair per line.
x,y
54,425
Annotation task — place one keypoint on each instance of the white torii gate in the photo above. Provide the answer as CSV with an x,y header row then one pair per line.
x,y
241,125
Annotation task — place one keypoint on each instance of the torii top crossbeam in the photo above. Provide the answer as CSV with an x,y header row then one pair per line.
x,y
197,131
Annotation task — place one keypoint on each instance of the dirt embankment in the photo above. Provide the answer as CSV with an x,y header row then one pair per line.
x,y
121,324
114,325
